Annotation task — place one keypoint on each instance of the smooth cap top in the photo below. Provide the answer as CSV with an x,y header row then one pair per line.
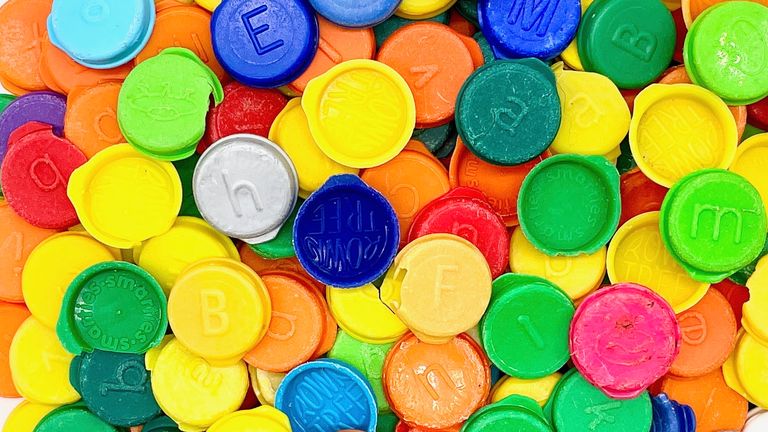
x,y
570,204
263,419
439,286
354,13
73,417
361,313
246,187
264,43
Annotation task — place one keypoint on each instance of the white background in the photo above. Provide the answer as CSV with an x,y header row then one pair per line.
x,y
6,405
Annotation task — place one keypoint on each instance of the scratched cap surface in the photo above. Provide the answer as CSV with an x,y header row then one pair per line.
x,y
246,187
115,386
332,387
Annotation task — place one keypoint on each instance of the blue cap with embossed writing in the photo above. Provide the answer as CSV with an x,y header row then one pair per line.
x,y
508,111
115,386
346,234
265,43
333,388
246,187
528,28
629,41
356,13
101,34
112,306
670,416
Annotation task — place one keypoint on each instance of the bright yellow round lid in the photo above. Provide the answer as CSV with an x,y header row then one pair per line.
x,y
26,416
439,286
361,313
595,116
290,131
193,392
219,309
571,53
209,4
265,384
261,419
754,317
423,9
52,266
750,162
361,113
751,364
40,365
123,197
576,275
189,240
637,254
729,371
537,389
677,129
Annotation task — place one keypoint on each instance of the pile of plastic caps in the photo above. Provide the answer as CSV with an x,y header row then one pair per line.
x,y
384,215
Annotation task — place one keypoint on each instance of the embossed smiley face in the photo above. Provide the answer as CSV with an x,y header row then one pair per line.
x,y
164,101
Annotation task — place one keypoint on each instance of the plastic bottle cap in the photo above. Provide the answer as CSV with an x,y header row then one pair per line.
x,y
186,170
750,357
461,282
263,418
52,266
62,74
747,163
724,51
69,417
637,254
40,365
519,30
361,313
713,222
360,99
367,358
508,112
163,103
13,316
595,116
514,412
91,119
579,406
538,389
332,387
264,44
211,5
26,416
243,110
43,107
338,44
753,317
639,195
193,392
35,172
435,62
347,251
282,245
525,328
296,327
22,25
123,198
219,309
246,187
466,213
569,204
629,41
265,384
350,13
184,27
623,338
705,135
669,415
290,131
708,332
112,306
115,386
436,386
423,9
385,29
189,240
101,35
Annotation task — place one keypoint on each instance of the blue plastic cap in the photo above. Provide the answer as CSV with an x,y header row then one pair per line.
x,y
346,234
331,387
101,34
671,416
529,28
356,13
264,43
